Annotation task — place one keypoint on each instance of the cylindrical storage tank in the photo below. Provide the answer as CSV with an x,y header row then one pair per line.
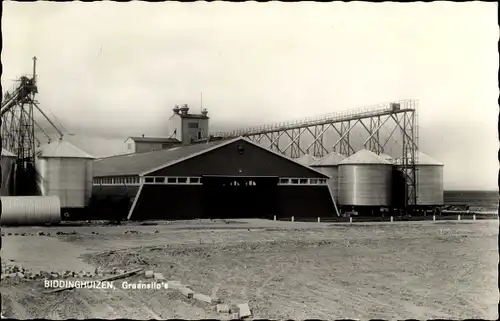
x,y
328,165
306,159
365,179
65,171
8,161
30,210
429,175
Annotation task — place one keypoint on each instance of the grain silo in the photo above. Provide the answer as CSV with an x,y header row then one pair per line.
x,y
429,180
306,159
8,163
65,171
365,180
328,165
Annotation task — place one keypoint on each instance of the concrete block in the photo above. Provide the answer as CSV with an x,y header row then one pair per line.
x,y
202,297
159,277
244,310
222,308
188,293
149,274
20,275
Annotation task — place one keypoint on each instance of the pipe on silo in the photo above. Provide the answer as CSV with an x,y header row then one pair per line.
x,y
30,210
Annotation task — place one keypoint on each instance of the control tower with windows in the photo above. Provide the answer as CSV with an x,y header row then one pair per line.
x,y
187,127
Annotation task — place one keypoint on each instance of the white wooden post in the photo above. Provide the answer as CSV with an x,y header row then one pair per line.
x,y
293,219
433,217
319,220
392,219
459,217
275,217
350,219
474,217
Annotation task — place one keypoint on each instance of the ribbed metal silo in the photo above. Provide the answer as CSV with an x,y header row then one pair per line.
x,y
306,159
8,161
429,180
65,171
30,210
328,165
365,179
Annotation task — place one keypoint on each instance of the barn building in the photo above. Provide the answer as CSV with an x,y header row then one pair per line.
x,y
234,178
149,144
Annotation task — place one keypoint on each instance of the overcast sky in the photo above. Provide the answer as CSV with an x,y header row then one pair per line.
x,y
110,70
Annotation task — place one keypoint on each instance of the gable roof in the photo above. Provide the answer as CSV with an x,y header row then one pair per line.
x,y
137,163
227,142
62,149
144,163
162,140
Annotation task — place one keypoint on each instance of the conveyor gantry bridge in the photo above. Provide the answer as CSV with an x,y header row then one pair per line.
x,y
287,138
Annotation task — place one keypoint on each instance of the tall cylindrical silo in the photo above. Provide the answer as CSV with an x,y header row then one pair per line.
x,y
328,165
65,171
365,179
429,180
8,161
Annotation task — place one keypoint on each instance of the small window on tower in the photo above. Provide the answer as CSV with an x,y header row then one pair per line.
x,y
192,125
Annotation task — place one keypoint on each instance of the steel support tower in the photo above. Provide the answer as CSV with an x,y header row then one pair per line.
x,y
18,131
310,135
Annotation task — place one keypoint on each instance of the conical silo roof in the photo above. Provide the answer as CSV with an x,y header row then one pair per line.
x,y
364,157
424,159
6,153
307,159
387,157
332,159
62,149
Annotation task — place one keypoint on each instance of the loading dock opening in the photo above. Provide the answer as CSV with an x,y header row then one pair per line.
x,y
239,196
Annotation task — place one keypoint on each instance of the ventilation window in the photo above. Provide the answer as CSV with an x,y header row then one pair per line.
x,y
295,181
194,180
284,181
322,181
159,179
182,180
303,181
149,180
314,181
172,180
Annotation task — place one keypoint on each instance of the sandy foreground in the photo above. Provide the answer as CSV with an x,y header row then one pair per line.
x,y
420,270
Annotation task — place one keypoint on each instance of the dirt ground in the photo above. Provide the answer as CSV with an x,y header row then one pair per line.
x,y
420,270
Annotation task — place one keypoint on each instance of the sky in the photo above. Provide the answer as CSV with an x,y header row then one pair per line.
x,y
112,70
